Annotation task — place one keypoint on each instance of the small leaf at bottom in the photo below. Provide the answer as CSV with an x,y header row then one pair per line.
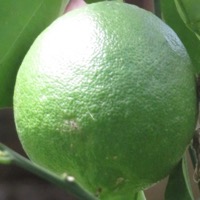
x,y
140,196
179,184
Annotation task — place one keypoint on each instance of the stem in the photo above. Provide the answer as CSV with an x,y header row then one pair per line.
x,y
145,4
68,183
192,156
148,5
157,9
194,152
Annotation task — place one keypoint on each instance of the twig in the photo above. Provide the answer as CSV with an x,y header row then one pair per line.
x,y
68,183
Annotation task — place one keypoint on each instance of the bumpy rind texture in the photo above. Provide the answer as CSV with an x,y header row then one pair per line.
x,y
107,95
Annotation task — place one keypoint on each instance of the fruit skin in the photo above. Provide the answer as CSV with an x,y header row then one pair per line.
x,y
107,94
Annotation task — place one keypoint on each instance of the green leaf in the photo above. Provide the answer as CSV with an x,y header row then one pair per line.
x,y
179,184
21,21
140,196
189,11
94,1
189,39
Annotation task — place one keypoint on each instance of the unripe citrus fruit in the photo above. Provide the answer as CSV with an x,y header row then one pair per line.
x,y
107,95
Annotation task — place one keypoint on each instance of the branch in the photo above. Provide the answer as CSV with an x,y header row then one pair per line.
x,y
68,183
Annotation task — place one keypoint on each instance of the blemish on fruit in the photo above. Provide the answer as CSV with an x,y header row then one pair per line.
x,y
91,116
70,178
115,157
70,125
98,192
119,180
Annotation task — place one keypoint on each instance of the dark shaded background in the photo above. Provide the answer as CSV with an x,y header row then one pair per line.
x,y
16,183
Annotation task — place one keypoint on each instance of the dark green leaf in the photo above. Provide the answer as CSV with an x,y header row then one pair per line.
x,y
189,10
94,1
189,39
179,184
21,21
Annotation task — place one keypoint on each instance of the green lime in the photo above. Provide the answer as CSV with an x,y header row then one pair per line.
x,y
107,94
